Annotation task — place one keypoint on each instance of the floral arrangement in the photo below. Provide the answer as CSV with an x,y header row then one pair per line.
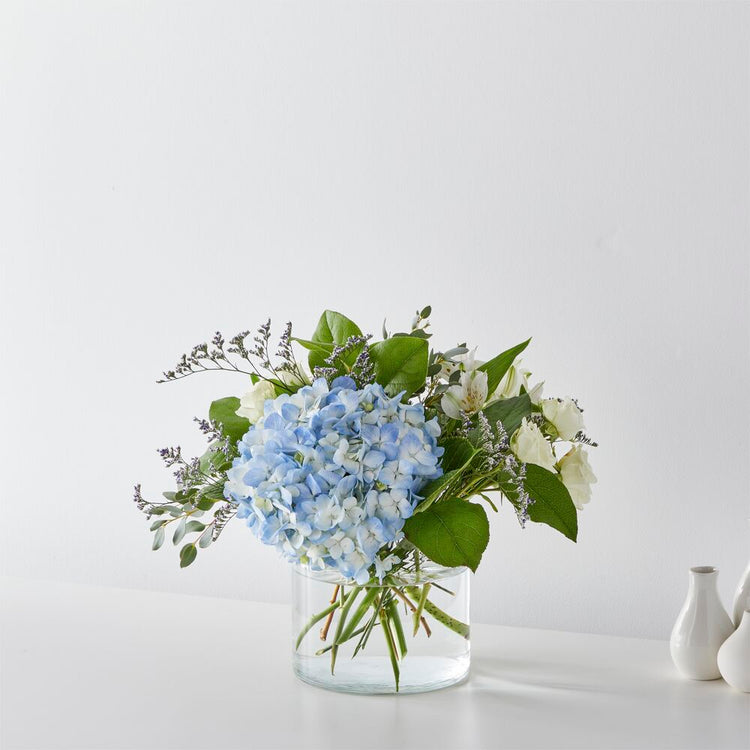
x,y
375,460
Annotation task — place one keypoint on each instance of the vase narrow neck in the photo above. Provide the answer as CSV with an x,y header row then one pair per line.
x,y
703,581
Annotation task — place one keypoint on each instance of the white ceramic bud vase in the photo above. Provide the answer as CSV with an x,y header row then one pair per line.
x,y
734,656
702,626
741,598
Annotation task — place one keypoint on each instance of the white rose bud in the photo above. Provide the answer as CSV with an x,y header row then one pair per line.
x,y
531,447
252,403
577,475
564,415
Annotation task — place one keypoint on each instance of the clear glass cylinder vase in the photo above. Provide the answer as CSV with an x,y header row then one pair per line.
x,y
408,634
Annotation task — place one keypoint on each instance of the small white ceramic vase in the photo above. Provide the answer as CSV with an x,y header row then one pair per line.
x,y
702,626
741,598
734,656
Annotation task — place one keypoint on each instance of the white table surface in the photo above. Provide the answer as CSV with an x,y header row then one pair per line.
x,y
86,667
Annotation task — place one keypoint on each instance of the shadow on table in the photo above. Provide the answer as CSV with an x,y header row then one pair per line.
x,y
516,675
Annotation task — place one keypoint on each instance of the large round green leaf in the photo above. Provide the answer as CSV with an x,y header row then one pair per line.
x,y
400,364
451,532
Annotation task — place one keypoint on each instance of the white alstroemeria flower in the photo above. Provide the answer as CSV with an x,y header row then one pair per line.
x,y
516,378
464,362
468,396
564,415
252,403
531,447
577,475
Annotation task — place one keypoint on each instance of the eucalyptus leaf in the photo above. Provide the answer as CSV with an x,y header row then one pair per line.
x,y
194,526
206,537
158,538
156,524
180,529
187,554
452,532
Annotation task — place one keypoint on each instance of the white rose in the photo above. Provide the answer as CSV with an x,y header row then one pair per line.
x,y
531,447
252,403
565,416
512,382
577,475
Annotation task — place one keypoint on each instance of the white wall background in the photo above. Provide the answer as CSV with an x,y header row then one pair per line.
x,y
576,172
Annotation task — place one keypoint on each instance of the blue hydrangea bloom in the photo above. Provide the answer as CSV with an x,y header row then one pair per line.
x,y
329,474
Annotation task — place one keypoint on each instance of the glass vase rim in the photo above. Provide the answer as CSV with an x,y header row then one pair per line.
x,y
428,572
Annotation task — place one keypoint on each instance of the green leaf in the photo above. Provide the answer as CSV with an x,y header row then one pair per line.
x,y
187,554
458,452
452,532
224,411
156,524
170,496
158,538
323,349
552,504
333,328
400,364
194,526
497,367
509,411
206,503
213,492
212,459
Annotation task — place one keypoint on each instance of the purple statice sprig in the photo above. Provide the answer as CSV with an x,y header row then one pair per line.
x,y
239,355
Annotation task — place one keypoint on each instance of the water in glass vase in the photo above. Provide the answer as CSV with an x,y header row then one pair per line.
x,y
408,634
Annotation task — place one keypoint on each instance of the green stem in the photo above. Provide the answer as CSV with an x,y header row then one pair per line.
x,y
420,606
343,640
442,617
359,613
398,627
368,628
345,607
315,618
391,645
